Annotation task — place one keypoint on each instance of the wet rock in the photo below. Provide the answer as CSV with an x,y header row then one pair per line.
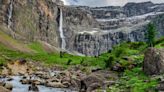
x,y
45,76
33,87
24,77
55,85
25,81
9,79
37,82
8,86
66,84
53,80
154,61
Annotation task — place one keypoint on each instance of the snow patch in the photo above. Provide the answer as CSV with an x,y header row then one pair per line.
x,y
131,18
88,32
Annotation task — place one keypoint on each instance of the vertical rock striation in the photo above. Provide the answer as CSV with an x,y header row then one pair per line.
x,y
87,30
119,24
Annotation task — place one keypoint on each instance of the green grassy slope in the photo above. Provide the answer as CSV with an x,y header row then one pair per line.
x,y
126,54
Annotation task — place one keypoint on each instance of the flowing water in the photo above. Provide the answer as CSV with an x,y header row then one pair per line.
x,y
10,13
18,87
63,43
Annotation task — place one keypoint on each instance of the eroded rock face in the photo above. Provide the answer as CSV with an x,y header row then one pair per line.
x,y
31,20
95,44
154,61
76,20
118,24
87,30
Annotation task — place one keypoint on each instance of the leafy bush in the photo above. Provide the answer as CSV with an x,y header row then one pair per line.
x,y
108,63
119,51
161,40
69,61
134,81
137,45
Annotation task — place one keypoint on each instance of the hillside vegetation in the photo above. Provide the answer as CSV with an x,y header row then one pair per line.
x,y
127,57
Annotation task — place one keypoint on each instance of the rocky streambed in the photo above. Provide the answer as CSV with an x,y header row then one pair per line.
x,y
14,83
23,76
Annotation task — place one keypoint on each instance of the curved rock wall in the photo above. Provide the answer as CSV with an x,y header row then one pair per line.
x,y
87,30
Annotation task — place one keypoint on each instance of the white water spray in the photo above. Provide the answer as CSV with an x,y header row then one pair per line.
x,y
63,43
10,13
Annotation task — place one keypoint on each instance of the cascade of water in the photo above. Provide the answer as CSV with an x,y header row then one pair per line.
x,y
63,43
10,13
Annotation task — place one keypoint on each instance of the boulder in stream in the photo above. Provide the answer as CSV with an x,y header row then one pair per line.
x,y
8,86
33,88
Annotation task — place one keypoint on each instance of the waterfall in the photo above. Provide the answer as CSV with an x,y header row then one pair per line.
x,y
63,43
10,12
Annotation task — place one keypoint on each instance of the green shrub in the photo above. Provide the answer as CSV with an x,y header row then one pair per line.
x,y
119,51
134,81
108,63
137,45
69,61
161,40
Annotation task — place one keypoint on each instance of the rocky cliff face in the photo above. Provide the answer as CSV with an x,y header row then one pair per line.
x,y
118,24
31,20
90,31
76,20
38,20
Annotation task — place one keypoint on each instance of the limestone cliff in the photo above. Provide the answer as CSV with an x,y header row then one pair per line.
x,y
31,20
38,20
87,30
118,24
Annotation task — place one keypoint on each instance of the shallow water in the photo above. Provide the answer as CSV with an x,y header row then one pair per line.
x,y
18,87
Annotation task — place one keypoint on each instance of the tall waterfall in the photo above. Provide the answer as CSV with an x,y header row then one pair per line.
x,y
63,43
10,13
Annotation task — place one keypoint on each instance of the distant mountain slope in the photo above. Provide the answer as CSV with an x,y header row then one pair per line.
x,y
86,30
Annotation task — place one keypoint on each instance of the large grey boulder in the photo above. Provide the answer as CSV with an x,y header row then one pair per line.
x,y
93,81
154,61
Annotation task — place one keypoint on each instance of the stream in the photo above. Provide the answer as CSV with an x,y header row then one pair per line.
x,y
19,87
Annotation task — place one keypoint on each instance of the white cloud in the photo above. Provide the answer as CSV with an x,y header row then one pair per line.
x,y
105,2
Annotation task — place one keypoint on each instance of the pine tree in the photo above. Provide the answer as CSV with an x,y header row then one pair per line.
x,y
150,36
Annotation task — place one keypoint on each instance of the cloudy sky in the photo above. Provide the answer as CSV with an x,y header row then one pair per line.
x,y
105,2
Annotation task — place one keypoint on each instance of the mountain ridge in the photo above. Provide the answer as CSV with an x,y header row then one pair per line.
x,y
87,30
